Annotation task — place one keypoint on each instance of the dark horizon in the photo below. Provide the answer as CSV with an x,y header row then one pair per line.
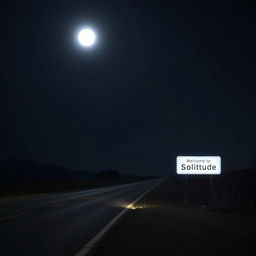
x,y
165,79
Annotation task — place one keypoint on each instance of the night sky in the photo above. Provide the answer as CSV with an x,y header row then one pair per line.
x,y
164,79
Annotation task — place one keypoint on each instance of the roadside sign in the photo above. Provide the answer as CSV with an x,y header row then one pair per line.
x,y
196,165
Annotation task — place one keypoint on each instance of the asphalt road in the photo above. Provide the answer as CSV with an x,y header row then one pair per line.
x,y
62,223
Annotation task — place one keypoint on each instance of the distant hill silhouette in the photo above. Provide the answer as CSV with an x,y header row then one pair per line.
x,y
18,171
12,170
108,174
20,177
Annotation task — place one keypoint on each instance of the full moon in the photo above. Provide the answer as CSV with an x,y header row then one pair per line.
x,y
87,37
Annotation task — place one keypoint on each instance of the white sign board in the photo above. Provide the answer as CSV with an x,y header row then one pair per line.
x,y
210,165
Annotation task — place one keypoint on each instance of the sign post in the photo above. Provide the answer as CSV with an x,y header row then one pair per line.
x,y
211,189
186,190
198,165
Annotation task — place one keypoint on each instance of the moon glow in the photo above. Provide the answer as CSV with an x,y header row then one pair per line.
x,y
87,37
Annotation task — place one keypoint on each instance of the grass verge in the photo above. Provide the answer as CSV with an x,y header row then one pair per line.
x,y
161,225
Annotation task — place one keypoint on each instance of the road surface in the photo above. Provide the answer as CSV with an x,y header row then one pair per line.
x,y
62,223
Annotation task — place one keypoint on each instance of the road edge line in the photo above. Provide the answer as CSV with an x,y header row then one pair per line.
x,y
91,246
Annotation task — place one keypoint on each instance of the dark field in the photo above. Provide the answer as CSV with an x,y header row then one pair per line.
x,y
24,177
162,225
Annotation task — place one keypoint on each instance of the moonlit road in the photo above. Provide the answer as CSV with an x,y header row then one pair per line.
x,y
62,223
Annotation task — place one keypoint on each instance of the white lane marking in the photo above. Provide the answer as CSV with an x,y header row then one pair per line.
x,y
94,241
12,216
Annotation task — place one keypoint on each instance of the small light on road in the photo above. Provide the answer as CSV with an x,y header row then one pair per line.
x,y
134,207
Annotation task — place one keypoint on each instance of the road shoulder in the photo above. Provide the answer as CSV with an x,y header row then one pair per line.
x,y
159,225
